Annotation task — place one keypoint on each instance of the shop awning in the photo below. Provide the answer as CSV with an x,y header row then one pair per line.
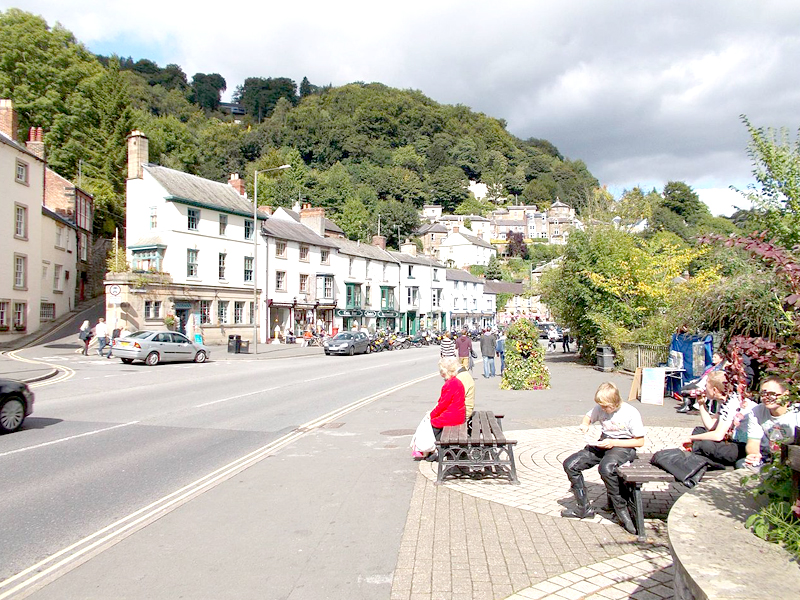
x,y
182,304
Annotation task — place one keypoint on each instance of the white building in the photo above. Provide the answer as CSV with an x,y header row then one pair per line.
x,y
459,250
422,282
469,305
59,259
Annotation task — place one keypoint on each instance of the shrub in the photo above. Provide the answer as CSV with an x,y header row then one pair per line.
x,y
525,368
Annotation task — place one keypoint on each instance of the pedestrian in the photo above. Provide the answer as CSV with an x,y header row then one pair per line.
x,y
488,349
85,336
450,409
101,333
565,340
448,346
622,432
500,349
465,377
551,339
464,349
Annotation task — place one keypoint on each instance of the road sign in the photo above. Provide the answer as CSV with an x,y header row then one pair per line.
x,y
114,290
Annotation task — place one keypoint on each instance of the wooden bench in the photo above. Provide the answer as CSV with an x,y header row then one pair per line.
x,y
634,475
483,451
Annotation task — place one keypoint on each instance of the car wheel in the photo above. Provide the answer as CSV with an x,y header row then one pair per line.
x,y
352,350
200,357
327,353
127,361
152,359
12,413
369,350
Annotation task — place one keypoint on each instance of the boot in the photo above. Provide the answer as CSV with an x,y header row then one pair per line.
x,y
583,510
688,404
608,506
623,516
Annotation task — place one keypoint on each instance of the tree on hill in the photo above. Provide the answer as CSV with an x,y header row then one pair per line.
x,y
493,270
681,199
259,95
517,245
207,90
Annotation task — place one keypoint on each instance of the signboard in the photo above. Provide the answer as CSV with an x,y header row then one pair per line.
x,y
370,313
653,385
114,290
388,313
348,313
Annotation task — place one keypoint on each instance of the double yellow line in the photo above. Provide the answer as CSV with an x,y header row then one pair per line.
x,y
64,373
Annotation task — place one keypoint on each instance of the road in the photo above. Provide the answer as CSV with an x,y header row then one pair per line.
x,y
113,438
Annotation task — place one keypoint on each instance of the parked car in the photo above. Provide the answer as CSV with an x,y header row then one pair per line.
x,y
348,342
16,403
154,347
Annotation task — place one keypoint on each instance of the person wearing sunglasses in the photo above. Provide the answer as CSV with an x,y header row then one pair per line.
x,y
771,422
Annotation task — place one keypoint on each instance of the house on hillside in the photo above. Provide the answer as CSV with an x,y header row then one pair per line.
x,y
459,250
431,235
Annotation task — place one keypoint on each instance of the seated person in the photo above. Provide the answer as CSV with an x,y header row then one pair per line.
x,y
622,433
465,377
771,422
722,437
696,387
450,409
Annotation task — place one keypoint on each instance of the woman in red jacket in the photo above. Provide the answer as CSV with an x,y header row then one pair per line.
x,y
450,410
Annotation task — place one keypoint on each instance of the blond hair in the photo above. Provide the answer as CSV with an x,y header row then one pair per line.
x,y
607,396
717,379
449,365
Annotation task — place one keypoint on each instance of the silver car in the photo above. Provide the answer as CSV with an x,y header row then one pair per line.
x,y
154,347
348,342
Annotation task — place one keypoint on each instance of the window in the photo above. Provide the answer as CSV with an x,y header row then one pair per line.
x,y
350,267
222,257
4,314
366,269
152,309
384,272
248,268
22,172
20,272
387,298
47,311
413,296
303,284
191,263
436,274
248,229
353,295
304,252
324,256
45,264
83,243
238,312
410,271
222,311
223,224
147,259
153,217
436,297
20,221
280,281
60,229
280,249
57,287
367,294
251,317
205,312
324,287
20,311
194,219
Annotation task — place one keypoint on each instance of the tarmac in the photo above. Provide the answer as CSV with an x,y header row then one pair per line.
x,y
492,540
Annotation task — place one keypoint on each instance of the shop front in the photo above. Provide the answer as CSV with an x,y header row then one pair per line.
x,y
347,319
387,319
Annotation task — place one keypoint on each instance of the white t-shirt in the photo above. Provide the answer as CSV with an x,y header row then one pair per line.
x,y
623,424
101,330
760,423
728,411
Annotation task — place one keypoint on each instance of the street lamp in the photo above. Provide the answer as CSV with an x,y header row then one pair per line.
x,y
255,255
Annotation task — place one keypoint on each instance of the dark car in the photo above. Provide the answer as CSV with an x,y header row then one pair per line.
x,y
348,342
16,403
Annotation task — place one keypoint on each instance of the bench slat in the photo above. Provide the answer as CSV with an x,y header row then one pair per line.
x,y
497,431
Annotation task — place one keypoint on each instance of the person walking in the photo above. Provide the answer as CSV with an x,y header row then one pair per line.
x,y
565,340
464,348
101,333
85,336
500,350
448,345
488,343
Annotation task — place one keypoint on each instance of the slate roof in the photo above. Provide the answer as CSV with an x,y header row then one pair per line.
x,y
329,225
432,228
510,223
295,232
475,240
197,191
415,260
504,287
351,248
462,218
462,275
17,146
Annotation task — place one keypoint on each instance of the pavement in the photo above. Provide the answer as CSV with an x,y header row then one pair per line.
x,y
464,540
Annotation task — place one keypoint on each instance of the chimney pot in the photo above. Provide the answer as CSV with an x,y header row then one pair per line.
x,y
379,241
35,145
138,153
238,184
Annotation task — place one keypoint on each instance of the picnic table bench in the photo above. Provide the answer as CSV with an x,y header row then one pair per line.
x,y
635,474
482,451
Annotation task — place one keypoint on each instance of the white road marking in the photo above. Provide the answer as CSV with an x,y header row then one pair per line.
x,y
70,557
67,439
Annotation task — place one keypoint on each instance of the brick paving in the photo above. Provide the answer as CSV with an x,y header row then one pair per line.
x,y
490,540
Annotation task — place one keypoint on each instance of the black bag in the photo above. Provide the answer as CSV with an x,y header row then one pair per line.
x,y
472,353
687,468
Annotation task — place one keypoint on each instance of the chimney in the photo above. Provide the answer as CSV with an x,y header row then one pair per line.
x,y
237,184
314,219
265,210
138,153
408,247
379,241
8,119
35,144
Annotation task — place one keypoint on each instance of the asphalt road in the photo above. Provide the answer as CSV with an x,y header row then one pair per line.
x,y
114,438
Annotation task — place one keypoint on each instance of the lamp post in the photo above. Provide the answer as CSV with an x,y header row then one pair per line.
x,y
255,255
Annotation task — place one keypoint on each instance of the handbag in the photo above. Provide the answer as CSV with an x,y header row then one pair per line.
x,y
472,353
423,439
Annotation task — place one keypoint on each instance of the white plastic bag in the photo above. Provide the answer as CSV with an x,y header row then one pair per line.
x,y
423,439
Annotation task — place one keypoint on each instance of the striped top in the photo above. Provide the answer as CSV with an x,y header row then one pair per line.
x,y
448,347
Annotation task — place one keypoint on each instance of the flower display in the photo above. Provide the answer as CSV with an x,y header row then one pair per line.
x,y
525,368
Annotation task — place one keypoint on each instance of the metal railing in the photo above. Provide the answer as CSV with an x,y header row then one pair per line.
x,y
643,355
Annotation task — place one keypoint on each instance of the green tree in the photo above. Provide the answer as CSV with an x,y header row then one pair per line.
x,y
681,199
259,95
399,221
448,187
354,219
473,206
207,90
306,89
493,270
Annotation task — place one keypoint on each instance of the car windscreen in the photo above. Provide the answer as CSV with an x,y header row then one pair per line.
x,y
140,334
344,336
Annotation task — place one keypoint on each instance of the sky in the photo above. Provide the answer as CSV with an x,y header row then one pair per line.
x,y
643,92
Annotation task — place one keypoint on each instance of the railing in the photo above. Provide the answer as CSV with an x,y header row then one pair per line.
x,y
643,355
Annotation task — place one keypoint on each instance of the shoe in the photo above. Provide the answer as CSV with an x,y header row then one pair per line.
x,y
417,455
432,457
624,518
583,510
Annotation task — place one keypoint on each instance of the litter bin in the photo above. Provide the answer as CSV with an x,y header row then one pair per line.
x,y
605,358
244,347
234,344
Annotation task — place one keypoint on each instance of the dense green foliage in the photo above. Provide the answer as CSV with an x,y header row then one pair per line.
x,y
525,368
360,145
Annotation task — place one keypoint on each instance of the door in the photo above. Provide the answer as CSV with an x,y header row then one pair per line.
x,y
182,347
182,316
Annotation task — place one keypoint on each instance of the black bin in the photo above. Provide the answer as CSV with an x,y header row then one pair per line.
x,y
244,346
605,358
234,344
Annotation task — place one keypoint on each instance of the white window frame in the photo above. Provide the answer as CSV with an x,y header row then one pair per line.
x,y
20,272
21,172
193,218
192,266
57,285
248,269
20,221
280,281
